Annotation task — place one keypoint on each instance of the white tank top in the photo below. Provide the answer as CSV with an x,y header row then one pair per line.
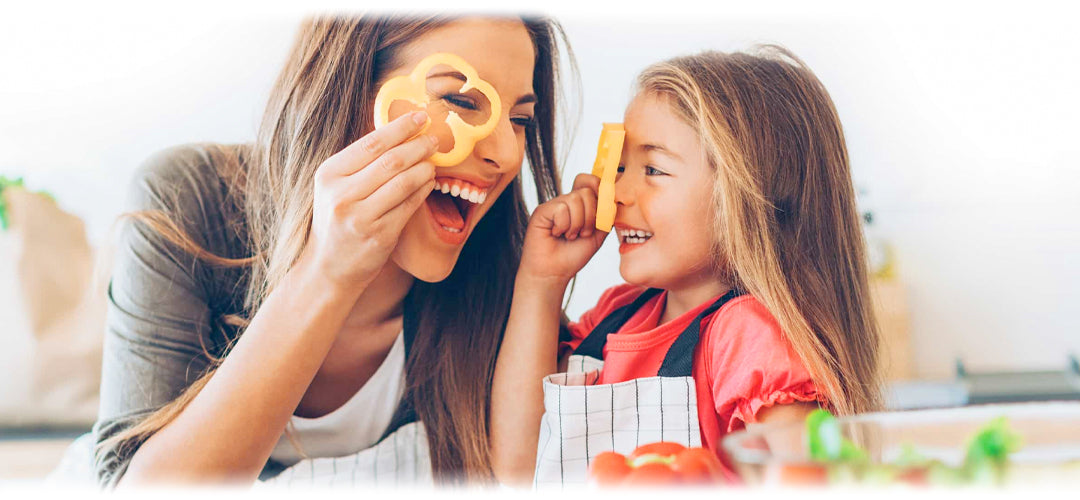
x,y
356,425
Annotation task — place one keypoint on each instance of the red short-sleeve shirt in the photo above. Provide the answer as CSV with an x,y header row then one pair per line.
x,y
742,362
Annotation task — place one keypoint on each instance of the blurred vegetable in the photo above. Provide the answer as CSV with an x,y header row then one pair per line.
x,y
656,464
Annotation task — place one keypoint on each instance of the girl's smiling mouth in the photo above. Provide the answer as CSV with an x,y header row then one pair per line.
x,y
631,238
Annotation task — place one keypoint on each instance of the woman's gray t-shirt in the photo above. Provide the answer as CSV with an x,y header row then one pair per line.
x,y
165,307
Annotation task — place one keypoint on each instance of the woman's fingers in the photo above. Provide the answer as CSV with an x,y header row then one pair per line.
x,y
399,215
365,150
397,190
389,165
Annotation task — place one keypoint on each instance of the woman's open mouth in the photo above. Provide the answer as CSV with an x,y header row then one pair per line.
x,y
452,203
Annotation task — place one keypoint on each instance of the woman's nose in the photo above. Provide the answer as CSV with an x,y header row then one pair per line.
x,y
500,149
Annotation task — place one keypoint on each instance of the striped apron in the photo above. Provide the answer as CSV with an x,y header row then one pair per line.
x,y
582,418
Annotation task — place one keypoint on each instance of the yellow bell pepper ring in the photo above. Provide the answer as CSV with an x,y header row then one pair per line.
x,y
606,167
413,88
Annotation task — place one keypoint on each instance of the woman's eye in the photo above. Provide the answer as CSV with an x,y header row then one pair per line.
x,y
523,121
621,169
460,101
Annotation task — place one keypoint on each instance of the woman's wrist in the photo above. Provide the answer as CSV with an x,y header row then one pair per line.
x,y
309,278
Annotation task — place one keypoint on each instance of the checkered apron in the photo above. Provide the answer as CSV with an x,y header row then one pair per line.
x,y
400,459
582,418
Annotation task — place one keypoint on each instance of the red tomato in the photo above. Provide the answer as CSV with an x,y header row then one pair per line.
x,y
803,474
916,476
662,448
698,466
609,468
651,474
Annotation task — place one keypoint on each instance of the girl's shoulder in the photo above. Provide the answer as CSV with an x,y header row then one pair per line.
x,y
751,364
746,326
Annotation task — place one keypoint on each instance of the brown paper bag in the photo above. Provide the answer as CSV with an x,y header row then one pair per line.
x,y
58,311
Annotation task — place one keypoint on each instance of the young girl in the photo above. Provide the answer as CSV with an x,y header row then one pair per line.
x,y
745,269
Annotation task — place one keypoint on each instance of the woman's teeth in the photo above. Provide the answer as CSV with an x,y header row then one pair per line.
x,y
463,190
633,235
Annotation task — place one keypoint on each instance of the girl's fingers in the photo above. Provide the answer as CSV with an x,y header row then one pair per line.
x,y
388,165
588,198
398,189
365,150
577,215
560,219
586,181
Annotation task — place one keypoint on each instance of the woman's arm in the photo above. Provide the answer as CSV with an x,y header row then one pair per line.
x,y
228,430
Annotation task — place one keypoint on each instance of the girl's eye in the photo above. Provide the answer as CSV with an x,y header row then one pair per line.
x,y
653,171
621,169
460,101
523,121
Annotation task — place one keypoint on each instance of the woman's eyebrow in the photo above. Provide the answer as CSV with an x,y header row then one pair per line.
x,y
525,99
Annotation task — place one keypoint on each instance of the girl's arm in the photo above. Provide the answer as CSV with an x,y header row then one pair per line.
x,y
560,240
529,353
228,430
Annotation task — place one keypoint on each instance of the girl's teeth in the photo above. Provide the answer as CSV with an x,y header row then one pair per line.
x,y
445,188
635,236
455,190
483,197
474,196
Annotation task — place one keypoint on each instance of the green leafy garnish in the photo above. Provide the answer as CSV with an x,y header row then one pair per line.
x,y
988,451
4,184
826,441
985,462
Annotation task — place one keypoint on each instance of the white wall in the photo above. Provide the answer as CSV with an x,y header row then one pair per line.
x,y
961,130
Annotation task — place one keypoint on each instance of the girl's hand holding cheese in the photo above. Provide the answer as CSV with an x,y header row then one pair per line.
x,y
562,234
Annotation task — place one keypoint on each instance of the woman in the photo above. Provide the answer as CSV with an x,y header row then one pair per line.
x,y
305,281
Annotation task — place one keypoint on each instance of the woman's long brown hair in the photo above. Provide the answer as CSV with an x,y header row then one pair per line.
x,y
322,101
784,206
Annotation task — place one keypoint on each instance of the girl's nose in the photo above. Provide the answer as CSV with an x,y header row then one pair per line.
x,y
500,149
624,190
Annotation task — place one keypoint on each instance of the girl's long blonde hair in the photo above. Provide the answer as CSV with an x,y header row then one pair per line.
x,y
784,206
321,102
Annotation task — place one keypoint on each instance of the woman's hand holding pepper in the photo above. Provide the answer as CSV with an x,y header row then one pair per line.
x,y
364,195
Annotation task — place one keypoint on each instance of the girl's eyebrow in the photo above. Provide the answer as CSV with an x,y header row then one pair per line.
x,y
525,99
660,149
